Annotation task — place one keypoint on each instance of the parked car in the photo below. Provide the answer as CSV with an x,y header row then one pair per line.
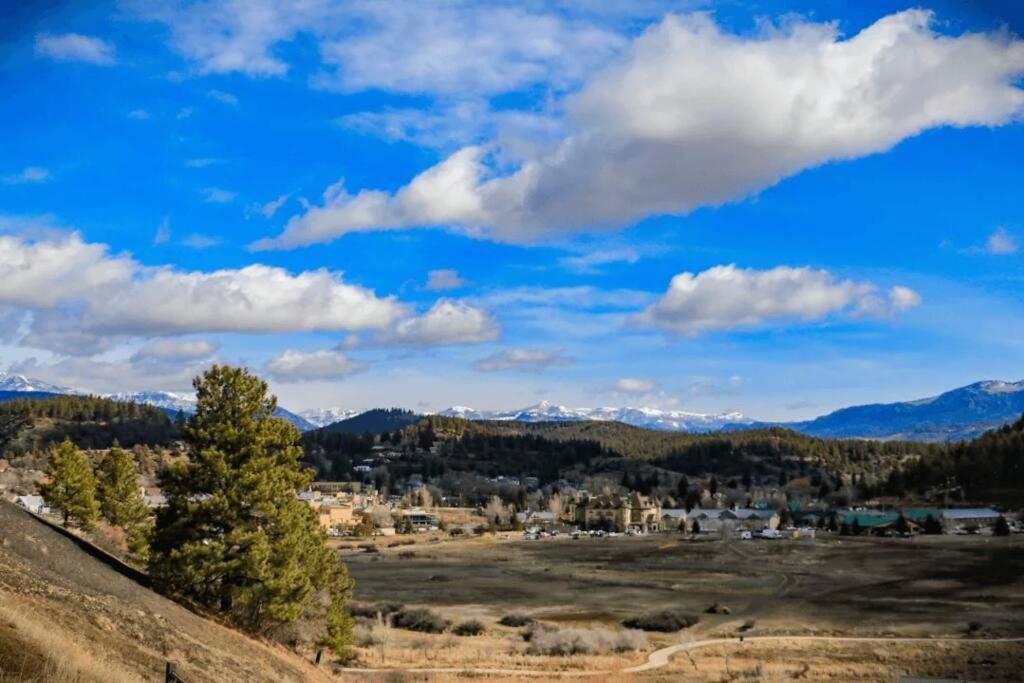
x,y
746,536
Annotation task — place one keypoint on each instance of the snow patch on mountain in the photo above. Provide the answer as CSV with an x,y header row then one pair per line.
x,y
321,417
13,382
648,418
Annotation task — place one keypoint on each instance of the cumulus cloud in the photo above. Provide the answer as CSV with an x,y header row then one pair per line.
x,y
633,385
523,360
448,322
1001,243
74,47
443,279
81,297
727,297
176,350
692,116
305,366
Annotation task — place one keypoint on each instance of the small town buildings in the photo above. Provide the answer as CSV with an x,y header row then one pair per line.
x,y
537,517
613,512
420,518
744,519
969,519
673,519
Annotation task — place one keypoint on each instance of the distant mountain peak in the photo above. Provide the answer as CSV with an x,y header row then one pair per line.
x,y
647,418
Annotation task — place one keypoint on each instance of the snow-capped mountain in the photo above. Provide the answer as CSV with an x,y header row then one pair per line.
x,y
321,417
648,418
954,415
167,400
10,382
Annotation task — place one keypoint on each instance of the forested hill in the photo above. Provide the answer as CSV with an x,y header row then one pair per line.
x,y
33,424
375,421
645,444
990,467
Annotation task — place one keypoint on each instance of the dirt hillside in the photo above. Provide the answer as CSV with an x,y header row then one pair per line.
x,y
67,616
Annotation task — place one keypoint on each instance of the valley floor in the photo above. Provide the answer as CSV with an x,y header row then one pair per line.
x,y
965,595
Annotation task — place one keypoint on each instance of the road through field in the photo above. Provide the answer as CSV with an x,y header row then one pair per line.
x,y
660,658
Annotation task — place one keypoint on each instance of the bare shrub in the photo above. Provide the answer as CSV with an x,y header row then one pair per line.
x,y
407,555
469,628
664,621
370,610
422,620
515,620
581,641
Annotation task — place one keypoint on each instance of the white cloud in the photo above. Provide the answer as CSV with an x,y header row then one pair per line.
x,y
138,114
270,208
415,47
223,97
199,241
305,366
202,162
215,195
400,46
522,360
1001,243
82,298
633,385
176,350
29,174
74,47
727,297
444,279
448,322
694,117
163,232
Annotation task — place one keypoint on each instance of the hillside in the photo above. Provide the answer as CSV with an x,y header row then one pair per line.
x,y
955,415
67,616
375,421
33,424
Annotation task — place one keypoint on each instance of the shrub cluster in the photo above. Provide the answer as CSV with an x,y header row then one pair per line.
x,y
469,628
582,641
664,621
419,619
515,620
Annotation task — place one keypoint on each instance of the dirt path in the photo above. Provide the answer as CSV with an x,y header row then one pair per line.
x,y
660,658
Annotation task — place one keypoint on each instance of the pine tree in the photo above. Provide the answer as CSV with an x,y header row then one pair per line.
x,y
71,488
121,500
233,535
1002,528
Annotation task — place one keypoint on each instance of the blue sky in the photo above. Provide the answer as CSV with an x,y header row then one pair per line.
x,y
775,208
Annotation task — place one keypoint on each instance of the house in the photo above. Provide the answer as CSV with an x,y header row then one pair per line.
x,y
335,516
537,517
420,517
673,518
34,504
613,512
969,518
745,519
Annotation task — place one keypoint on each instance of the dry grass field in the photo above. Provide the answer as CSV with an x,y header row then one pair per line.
x,y
965,590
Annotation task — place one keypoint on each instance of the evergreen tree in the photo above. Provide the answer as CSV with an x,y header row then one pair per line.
x,y
1001,528
683,488
71,488
695,529
121,500
932,526
233,535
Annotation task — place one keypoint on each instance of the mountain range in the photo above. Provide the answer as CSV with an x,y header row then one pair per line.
x,y
955,415
12,384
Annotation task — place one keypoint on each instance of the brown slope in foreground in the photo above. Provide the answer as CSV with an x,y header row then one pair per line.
x,y
67,616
